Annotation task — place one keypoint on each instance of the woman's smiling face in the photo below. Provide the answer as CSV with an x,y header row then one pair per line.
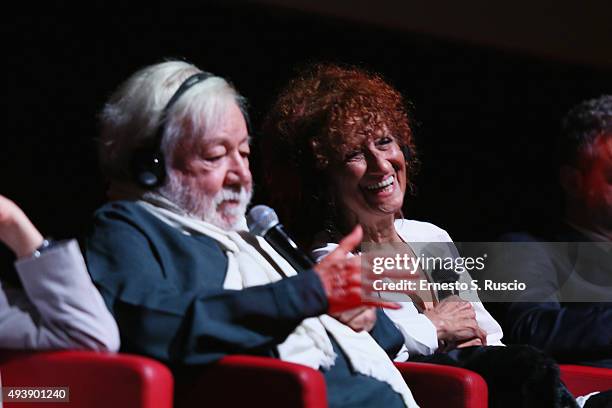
x,y
371,180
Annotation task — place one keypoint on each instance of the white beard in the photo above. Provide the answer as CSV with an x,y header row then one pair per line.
x,y
207,208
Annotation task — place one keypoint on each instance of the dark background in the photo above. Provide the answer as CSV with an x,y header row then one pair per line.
x,y
485,118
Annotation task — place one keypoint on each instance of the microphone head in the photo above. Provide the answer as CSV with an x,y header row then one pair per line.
x,y
260,219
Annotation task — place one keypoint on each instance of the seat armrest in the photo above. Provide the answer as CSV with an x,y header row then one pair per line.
x,y
444,386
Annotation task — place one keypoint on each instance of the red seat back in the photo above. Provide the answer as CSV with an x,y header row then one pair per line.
x,y
96,380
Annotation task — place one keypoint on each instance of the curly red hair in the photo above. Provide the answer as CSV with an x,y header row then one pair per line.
x,y
319,117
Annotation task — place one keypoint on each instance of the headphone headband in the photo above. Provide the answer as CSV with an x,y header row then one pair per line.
x,y
148,165
184,87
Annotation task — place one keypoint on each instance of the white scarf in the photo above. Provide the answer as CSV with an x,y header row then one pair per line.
x,y
309,344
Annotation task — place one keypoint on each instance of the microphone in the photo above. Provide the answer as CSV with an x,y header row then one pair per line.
x,y
444,276
440,274
263,221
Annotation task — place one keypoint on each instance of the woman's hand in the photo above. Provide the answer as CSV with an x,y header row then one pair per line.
x,y
341,277
16,230
455,322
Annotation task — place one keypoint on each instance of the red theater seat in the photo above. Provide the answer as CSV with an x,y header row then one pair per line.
x,y
444,386
248,380
107,380
582,380
237,381
96,380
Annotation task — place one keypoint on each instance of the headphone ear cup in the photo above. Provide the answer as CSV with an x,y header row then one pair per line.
x,y
148,165
149,168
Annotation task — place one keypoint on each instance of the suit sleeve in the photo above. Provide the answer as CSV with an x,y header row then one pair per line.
x,y
386,334
419,333
582,330
191,325
59,307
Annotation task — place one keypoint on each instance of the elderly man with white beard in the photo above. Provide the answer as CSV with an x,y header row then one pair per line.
x,y
185,281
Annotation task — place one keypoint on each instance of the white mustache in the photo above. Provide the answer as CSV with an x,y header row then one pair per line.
x,y
227,194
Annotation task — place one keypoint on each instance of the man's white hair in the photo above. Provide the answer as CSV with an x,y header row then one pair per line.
x,y
131,120
131,117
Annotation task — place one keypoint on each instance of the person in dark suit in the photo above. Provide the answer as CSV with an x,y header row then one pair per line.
x,y
568,312
187,283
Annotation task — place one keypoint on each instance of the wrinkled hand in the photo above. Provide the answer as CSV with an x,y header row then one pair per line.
x,y
470,343
341,277
358,319
16,230
456,325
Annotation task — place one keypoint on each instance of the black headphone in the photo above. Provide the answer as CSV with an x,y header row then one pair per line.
x,y
148,164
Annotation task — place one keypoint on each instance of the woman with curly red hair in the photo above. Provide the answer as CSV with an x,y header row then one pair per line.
x,y
318,122
339,151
